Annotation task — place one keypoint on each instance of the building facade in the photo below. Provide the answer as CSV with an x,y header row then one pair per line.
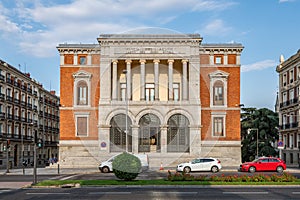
x,y
27,111
168,96
288,99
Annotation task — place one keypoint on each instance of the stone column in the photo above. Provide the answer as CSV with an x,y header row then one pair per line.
x,y
238,58
135,139
114,77
195,140
142,81
156,79
225,62
211,58
170,76
89,59
75,61
184,80
62,59
128,79
163,136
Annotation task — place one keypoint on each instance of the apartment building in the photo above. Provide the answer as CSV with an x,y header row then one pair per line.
x,y
288,99
168,96
27,111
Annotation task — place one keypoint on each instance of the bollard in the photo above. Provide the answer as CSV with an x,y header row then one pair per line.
x,y
57,168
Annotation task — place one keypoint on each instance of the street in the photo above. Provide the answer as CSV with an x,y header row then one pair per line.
x,y
156,192
13,186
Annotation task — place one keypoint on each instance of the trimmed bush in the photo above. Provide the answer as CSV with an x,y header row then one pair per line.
x,y
126,166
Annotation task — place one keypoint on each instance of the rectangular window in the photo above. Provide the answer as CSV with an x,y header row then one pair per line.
x,y
218,59
291,76
82,126
218,126
284,80
176,91
149,93
82,60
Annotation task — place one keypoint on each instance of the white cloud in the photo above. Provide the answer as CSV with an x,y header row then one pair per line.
x,y
216,27
259,65
41,24
284,1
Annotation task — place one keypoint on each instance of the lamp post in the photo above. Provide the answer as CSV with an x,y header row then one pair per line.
x,y
126,107
255,129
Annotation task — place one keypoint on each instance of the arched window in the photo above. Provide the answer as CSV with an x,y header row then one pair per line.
x,y
82,93
82,89
218,88
218,93
178,136
149,133
118,134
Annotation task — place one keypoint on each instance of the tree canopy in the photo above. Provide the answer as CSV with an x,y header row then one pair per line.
x,y
263,122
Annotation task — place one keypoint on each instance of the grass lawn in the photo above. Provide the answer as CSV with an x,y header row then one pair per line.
x,y
154,182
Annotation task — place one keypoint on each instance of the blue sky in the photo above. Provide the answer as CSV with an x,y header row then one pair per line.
x,y
30,30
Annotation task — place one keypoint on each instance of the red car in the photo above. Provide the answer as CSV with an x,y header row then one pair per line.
x,y
263,164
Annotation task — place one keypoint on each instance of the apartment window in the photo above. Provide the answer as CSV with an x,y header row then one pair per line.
x,y
82,125
123,91
218,127
82,92
176,91
284,80
291,76
16,133
149,92
218,93
291,141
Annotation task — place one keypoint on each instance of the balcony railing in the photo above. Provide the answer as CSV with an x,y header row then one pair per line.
x,y
289,102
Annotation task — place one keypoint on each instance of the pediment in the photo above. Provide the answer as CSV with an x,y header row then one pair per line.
x,y
82,74
218,74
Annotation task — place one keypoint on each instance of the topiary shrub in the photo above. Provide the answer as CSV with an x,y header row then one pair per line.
x,y
126,166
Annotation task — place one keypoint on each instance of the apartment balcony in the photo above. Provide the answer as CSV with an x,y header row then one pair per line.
x,y
23,104
16,101
2,78
51,143
2,115
10,116
23,87
17,118
289,103
2,97
35,93
9,99
9,81
289,126
16,84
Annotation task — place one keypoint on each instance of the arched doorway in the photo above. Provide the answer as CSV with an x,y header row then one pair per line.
x,y
178,136
118,134
149,133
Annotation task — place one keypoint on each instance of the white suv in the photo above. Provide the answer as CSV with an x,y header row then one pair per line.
x,y
200,164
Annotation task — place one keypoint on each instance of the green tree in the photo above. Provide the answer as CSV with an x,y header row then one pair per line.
x,y
126,166
265,122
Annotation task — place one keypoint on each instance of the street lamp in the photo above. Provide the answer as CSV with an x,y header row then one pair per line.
x,y
255,129
126,107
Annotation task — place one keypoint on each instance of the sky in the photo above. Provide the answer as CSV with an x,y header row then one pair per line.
x,y
30,31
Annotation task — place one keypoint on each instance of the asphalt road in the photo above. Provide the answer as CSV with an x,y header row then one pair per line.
x,y
153,192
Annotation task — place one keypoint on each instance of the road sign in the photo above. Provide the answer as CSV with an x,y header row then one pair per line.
x,y
280,144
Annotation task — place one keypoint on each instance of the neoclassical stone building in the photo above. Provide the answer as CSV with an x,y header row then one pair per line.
x,y
165,95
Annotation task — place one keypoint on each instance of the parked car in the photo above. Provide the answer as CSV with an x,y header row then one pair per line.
x,y
263,164
200,164
106,166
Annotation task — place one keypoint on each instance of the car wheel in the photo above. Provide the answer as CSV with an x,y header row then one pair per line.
x,y
105,170
187,169
279,169
252,169
214,169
